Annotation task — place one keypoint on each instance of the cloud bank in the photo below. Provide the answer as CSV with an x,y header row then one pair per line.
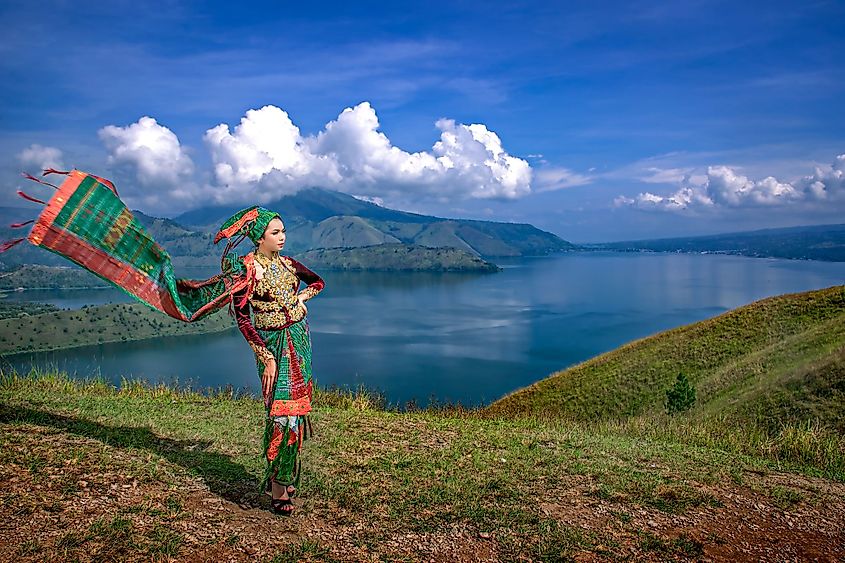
x,y
724,187
266,156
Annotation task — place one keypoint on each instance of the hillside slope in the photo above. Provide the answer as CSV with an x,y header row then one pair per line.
x,y
777,360
396,258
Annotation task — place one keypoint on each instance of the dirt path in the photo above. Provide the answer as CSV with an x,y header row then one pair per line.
x,y
70,498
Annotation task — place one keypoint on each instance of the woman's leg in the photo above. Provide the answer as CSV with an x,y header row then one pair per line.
x,y
283,492
284,434
282,502
284,465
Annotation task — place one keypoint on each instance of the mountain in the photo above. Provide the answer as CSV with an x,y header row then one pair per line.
x,y
324,219
776,361
186,246
312,204
817,242
318,218
23,253
396,257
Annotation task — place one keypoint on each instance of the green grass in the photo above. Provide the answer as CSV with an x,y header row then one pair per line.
x,y
16,309
306,550
769,378
409,472
682,545
785,497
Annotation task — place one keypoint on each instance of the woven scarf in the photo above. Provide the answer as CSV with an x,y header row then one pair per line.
x,y
86,222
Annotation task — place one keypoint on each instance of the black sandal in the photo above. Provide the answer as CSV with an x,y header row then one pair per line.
x,y
284,506
281,507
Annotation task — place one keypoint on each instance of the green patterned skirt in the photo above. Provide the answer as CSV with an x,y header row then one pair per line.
x,y
287,422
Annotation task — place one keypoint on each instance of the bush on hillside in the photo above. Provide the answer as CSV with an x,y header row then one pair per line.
x,y
681,397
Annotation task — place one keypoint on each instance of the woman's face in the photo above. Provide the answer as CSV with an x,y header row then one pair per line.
x,y
274,237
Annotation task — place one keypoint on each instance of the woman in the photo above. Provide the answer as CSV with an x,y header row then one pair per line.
x,y
278,334
85,221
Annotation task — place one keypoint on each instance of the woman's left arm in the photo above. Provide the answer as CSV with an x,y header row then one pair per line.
x,y
314,282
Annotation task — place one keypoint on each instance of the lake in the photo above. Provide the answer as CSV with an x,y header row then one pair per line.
x,y
460,337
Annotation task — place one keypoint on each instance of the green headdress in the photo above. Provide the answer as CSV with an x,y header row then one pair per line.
x,y
250,222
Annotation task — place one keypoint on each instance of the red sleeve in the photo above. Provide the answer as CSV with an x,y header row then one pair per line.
x,y
314,282
242,316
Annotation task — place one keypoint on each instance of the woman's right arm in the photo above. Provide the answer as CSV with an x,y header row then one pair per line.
x,y
259,348
246,327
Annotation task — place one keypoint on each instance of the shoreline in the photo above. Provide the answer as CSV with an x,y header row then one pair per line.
x,y
95,325
10,355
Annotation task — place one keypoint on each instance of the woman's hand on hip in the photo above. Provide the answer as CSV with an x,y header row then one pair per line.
x,y
302,300
268,380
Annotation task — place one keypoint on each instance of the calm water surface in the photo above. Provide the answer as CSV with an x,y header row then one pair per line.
x,y
461,337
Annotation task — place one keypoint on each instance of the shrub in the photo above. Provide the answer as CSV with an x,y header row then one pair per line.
x,y
681,397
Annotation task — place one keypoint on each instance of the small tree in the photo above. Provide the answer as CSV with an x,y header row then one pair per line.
x,y
681,397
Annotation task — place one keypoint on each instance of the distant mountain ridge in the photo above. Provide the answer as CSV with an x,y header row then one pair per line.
x,y
323,219
814,242
319,218
312,204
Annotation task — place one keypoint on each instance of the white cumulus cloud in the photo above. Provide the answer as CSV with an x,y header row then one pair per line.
x,y
826,183
152,150
473,158
41,157
724,187
266,156
350,154
266,147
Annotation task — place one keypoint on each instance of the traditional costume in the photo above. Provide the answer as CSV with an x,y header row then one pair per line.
x,y
277,330
86,222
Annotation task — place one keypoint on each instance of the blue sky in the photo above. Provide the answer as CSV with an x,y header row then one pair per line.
x,y
594,120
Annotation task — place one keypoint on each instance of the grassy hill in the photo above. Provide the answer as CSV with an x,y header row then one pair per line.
x,y
17,309
95,473
40,330
777,361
